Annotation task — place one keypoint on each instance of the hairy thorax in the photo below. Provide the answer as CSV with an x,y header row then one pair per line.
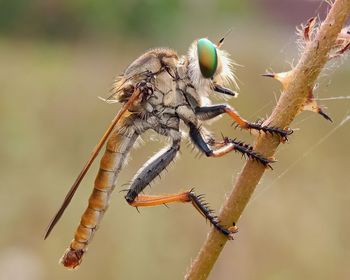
x,y
172,97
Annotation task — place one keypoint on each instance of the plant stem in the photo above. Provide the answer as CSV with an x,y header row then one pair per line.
x,y
301,79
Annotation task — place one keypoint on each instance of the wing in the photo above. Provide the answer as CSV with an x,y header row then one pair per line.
x,y
125,91
94,154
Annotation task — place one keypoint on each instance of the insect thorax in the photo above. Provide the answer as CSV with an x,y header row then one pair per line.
x,y
172,89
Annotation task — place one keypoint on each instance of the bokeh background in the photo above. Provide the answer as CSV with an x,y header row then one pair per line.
x,y
58,56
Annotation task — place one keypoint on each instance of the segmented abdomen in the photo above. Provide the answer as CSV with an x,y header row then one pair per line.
x,y
117,148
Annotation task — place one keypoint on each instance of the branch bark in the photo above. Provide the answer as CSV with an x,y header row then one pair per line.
x,y
301,80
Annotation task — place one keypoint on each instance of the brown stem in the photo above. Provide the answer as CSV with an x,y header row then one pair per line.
x,y
301,80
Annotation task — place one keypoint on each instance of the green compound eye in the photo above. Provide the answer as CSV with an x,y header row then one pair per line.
x,y
207,57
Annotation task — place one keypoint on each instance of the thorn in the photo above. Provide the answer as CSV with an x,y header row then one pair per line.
x,y
340,51
344,49
312,105
270,75
233,228
283,78
272,159
323,114
308,28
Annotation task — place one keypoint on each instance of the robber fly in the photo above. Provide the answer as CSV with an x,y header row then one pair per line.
x,y
159,90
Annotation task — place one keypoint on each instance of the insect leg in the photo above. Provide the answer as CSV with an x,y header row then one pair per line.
x,y
153,169
209,112
203,208
196,200
224,147
150,171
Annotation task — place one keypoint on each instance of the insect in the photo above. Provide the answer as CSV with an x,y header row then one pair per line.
x,y
159,90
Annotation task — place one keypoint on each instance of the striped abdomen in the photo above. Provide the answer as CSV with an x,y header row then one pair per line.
x,y
117,148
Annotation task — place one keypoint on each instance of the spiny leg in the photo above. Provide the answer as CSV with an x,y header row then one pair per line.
x,y
151,170
224,147
209,112
197,201
203,208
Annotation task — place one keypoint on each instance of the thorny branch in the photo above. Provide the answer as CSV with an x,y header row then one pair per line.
x,y
297,86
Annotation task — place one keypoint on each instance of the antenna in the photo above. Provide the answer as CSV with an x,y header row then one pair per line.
x,y
221,42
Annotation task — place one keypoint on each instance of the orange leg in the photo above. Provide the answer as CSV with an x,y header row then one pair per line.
x,y
237,118
224,147
151,170
154,200
246,150
242,123
189,196
209,112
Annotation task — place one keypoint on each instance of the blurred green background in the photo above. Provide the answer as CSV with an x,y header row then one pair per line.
x,y
56,57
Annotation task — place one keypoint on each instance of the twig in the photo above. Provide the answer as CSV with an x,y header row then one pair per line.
x,y
297,86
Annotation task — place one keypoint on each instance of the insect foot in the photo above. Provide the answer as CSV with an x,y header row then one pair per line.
x,y
203,208
248,151
283,133
233,230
